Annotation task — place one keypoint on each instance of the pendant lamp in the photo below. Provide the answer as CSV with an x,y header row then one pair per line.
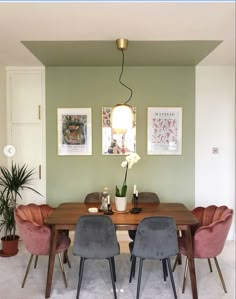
x,y
122,116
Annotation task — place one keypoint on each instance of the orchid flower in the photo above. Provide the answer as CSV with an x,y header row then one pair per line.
x,y
130,160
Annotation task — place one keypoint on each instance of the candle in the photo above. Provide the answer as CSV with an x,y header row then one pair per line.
x,y
134,189
108,199
136,193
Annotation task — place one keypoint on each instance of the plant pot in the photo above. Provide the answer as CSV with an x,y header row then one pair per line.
x,y
120,203
9,246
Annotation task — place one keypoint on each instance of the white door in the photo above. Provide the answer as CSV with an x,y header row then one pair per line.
x,y
25,119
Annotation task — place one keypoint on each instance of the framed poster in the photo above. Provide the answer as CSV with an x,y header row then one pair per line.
x,y
113,143
74,131
164,131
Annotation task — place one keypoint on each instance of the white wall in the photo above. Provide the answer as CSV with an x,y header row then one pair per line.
x,y
3,133
215,128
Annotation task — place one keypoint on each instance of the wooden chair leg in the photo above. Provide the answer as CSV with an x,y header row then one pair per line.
x,y
185,275
139,277
171,277
81,269
220,274
112,276
178,260
66,258
27,270
62,269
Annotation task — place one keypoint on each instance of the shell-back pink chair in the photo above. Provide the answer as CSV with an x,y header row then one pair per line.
x,y
36,235
209,236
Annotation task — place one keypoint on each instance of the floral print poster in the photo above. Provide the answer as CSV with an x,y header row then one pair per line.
x,y
74,131
164,131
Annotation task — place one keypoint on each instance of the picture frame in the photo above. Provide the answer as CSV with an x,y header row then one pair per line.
x,y
164,136
74,126
113,143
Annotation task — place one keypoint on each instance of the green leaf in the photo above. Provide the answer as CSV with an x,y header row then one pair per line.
x,y
123,191
117,192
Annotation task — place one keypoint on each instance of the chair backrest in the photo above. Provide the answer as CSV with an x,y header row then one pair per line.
x,y
209,214
92,197
210,236
148,197
35,235
156,238
95,237
33,212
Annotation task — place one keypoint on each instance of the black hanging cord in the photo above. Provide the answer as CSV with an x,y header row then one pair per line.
x,y
122,68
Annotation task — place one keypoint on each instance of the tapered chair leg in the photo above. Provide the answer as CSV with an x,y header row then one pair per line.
x,y
220,274
209,263
185,275
165,273
113,267
133,261
27,270
171,277
178,260
139,277
62,269
66,259
112,276
134,266
36,261
81,269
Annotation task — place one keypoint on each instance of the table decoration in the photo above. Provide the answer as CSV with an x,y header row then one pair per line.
x,y
120,194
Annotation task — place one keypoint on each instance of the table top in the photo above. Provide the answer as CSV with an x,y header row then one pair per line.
x,y
67,214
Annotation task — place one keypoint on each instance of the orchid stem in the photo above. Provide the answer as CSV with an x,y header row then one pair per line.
x,y
124,183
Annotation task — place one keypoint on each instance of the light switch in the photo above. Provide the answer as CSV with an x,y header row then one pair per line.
x,y
215,150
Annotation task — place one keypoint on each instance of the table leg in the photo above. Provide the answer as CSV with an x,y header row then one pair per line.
x,y
51,261
192,272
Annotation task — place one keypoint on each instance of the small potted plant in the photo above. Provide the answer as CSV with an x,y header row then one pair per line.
x,y
120,195
12,182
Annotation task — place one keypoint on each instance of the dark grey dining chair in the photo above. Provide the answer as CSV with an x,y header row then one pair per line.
x,y
156,239
95,238
149,197
92,197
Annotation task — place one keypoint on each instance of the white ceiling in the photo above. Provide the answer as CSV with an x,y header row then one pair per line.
x,y
101,21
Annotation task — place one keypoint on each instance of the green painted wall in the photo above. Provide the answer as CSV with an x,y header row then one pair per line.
x,y
70,178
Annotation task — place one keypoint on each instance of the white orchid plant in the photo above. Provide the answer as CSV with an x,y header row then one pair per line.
x,y
130,160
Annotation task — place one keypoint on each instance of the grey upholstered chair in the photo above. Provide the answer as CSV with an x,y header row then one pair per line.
x,y
95,238
92,197
149,197
156,238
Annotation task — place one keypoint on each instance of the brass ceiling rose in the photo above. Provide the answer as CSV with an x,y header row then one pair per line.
x,y
122,44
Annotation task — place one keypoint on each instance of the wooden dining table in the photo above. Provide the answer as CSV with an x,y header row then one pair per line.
x,y
65,217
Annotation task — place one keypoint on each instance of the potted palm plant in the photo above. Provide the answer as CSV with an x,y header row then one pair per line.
x,y
12,182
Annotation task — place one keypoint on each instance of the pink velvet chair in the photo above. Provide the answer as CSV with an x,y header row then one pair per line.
x,y
36,235
209,236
